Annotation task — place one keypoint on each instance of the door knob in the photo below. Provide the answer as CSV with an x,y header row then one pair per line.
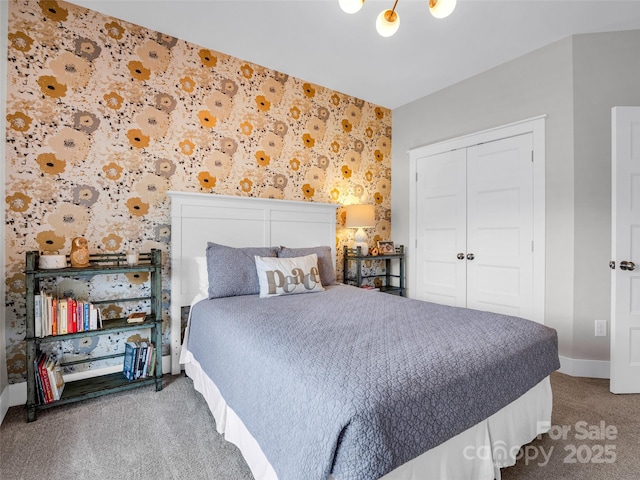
x,y
627,266
612,265
460,256
470,256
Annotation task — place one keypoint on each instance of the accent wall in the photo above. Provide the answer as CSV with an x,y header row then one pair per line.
x,y
104,117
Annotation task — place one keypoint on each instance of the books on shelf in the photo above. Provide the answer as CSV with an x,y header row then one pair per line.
x,y
139,360
60,316
49,380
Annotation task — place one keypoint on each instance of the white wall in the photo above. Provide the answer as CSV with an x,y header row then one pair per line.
x,y
606,73
4,382
562,84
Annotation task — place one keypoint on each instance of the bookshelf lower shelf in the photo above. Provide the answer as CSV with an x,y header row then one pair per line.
x,y
97,386
392,290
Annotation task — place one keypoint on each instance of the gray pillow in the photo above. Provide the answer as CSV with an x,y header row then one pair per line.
x,y
232,271
325,261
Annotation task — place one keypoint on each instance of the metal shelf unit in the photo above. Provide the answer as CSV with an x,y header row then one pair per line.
x,y
393,283
100,264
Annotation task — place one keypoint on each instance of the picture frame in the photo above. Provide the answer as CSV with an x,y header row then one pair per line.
x,y
386,247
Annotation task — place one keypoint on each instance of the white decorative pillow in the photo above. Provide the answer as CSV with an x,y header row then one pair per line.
x,y
326,263
288,276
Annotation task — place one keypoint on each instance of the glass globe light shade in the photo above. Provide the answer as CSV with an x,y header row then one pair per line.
x,y
387,23
441,8
351,6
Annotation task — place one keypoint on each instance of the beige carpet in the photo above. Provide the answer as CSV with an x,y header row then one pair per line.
x,y
595,435
143,434
136,435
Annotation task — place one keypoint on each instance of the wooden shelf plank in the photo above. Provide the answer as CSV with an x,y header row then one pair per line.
x,y
97,386
115,325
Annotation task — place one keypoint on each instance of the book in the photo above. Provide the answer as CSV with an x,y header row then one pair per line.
x,y
93,317
57,379
72,315
41,395
37,313
136,317
152,363
142,357
46,314
44,377
147,359
52,379
41,399
54,316
79,316
85,316
129,359
63,317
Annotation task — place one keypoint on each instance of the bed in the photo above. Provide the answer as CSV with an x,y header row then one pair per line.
x,y
345,383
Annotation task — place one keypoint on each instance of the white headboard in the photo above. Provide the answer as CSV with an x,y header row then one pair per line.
x,y
198,218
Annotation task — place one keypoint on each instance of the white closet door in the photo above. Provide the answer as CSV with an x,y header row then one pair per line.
x,y
441,228
500,226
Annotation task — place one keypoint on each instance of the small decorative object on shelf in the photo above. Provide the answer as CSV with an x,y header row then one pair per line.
x,y
79,255
136,317
53,319
386,248
52,260
387,282
132,256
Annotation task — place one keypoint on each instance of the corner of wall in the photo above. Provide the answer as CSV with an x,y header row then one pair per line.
x,y
4,27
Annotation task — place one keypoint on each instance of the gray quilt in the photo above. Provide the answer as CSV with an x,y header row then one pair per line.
x,y
356,383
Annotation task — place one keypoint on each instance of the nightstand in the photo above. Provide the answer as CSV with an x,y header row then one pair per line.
x,y
392,283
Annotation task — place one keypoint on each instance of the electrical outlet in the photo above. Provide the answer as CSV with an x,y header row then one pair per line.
x,y
601,328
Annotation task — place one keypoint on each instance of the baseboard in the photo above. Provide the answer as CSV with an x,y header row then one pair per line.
x,y
576,367
4,402
16,394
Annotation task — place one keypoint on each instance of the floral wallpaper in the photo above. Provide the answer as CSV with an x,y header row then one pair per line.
x,y
103,117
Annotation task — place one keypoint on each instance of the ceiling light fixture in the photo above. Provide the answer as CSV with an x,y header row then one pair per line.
x,y
388,21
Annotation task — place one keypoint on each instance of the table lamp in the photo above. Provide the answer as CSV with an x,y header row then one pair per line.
x,y
360,217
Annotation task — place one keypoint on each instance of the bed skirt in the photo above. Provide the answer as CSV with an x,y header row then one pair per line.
x,y
479,452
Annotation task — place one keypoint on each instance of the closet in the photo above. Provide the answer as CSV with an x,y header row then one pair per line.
x,y
473,225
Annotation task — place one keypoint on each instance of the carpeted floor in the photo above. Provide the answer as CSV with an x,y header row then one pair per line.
x,y
143,434
595,435
136,435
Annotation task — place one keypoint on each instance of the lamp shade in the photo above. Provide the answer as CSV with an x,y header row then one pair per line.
x,y
351,6
387,23
441,8
360,216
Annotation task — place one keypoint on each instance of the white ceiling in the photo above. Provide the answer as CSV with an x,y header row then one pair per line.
x,y
315,41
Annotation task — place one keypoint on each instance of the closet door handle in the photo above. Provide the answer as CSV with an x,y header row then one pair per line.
x,y
470,256
630,266
460,256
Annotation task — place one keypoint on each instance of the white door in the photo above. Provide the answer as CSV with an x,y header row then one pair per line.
x,y
500,226
441,228
625,243
474,227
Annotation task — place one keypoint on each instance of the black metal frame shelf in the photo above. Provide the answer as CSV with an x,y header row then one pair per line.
x,y
355,255
100,264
